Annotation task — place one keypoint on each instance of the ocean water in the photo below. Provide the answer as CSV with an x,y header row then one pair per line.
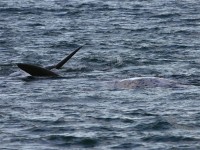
x,y
124,39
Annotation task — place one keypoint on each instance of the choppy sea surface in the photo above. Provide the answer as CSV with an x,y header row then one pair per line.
x,y
124,39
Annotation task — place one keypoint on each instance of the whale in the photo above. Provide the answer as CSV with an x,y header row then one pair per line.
x,y
39,71
129,83
145,82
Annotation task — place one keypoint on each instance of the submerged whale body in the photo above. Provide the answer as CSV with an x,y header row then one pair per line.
x,y
145,82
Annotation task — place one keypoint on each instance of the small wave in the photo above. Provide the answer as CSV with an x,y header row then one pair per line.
x,y
116,119
139,112
167,15
65,140
77,69
157,125
63,45
15,10
127,146
35,24
169,138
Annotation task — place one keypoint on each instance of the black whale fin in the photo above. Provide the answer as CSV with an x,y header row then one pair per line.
x,y
39,71
63,61
36,70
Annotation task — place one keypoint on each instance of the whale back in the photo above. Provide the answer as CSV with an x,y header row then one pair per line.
x,y
143,82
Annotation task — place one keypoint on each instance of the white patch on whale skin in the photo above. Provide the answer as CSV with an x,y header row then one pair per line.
x,y
18,74
145,82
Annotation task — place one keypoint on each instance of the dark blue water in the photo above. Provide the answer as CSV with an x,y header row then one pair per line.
x,y
124,39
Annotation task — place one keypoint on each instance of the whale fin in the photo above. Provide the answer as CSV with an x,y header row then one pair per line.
x,y
63,61
39,71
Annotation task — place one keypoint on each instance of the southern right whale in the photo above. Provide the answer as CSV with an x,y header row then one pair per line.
x,y
129,83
